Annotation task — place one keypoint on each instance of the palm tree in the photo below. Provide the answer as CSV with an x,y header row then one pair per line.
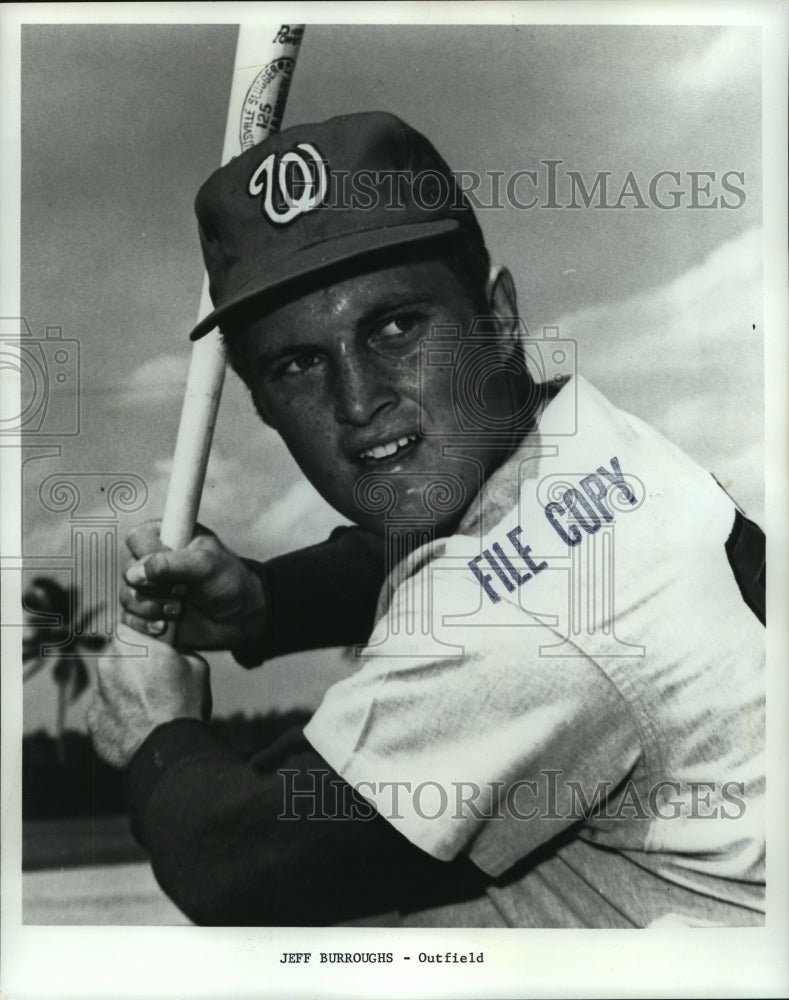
x,y
68,628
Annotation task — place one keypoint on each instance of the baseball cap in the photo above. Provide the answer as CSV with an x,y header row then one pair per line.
x,y
316,195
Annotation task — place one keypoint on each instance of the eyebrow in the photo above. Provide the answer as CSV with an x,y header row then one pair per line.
x,y
391,307
369,318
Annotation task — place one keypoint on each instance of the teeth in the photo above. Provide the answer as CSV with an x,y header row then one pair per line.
x,y
386,450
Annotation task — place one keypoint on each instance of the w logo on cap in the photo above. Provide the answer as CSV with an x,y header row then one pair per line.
x,y
302,181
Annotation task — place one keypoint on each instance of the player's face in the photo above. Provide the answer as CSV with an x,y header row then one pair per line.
x,y
338,374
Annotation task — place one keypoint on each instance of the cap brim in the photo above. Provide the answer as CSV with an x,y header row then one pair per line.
x,y
319,256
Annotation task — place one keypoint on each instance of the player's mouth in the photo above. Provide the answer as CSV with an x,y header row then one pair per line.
x,y
389,451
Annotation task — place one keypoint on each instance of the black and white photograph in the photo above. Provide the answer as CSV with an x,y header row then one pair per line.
x,y
394,442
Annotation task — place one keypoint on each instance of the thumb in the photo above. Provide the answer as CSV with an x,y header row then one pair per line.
x,y
145,538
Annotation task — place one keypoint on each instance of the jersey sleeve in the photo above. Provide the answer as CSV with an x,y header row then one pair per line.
x,y
479,747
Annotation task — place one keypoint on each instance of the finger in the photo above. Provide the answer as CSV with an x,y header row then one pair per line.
x,y
145,538
165,569
140,603
153,628
127,633
124,636
135,575
150,608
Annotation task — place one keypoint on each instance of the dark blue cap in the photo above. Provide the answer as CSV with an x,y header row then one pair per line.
x,y
317,195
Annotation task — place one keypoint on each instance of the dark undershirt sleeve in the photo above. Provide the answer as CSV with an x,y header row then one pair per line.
x,y
229,845
321,596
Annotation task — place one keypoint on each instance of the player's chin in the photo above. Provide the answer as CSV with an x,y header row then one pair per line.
x,y
421,503
406,529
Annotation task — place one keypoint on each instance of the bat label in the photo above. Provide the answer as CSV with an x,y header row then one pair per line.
x,y
288,35
264,104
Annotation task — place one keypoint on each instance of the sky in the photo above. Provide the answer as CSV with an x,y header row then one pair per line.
x,y
122,123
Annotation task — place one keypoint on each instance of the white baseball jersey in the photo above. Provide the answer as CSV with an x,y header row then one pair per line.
x,y
570,688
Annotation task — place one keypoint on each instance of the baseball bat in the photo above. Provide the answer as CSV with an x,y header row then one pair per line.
x,y
263,69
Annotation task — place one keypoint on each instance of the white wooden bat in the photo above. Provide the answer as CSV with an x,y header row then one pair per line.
x,y
264,64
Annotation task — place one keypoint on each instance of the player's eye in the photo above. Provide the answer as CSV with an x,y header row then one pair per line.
x,y
400,327
301,363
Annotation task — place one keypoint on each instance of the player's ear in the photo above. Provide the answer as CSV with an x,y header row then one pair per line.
x,y
503,302
258,400
263,412
241,363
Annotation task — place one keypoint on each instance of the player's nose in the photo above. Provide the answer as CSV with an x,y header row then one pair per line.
x,y
360,391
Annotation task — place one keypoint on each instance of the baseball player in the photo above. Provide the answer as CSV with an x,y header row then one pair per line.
x,y
557,716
